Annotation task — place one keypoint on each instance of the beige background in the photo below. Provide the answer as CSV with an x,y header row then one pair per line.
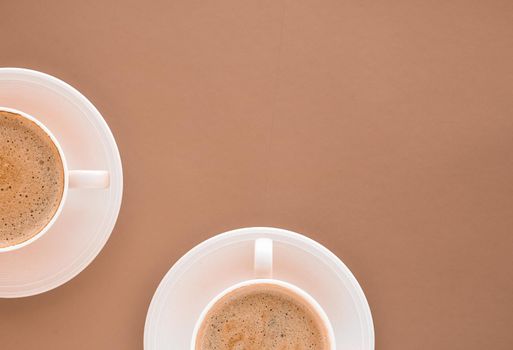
x,y
382,129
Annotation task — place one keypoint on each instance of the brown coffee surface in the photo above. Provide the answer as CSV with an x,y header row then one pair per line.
x,y
31,179
262,317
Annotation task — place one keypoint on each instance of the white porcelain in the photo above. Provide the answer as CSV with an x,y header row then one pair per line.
x,y
98,179
228,259
87,217
263,267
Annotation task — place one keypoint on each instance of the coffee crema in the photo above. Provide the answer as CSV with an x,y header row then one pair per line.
x,y
31,179
262,317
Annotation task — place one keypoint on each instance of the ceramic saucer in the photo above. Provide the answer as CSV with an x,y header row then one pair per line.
x,y
226,259
88,216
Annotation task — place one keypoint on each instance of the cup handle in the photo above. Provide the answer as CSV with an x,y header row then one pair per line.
x,y
263,265
89,179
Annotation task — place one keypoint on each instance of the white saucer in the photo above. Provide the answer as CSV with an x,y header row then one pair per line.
x,y
226,259
88,216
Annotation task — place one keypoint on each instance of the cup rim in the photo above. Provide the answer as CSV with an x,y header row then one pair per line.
x,y
66,181
291,287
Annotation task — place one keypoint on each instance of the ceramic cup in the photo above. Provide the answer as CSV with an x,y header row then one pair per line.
x,y
263,267
90,179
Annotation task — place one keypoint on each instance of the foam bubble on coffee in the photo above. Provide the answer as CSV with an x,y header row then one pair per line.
x,y
31,179
262,317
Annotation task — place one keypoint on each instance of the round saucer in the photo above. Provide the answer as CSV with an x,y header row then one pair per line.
x,y
88,216
227,259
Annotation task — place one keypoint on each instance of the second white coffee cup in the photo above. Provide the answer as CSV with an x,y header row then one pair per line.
x,y
263,268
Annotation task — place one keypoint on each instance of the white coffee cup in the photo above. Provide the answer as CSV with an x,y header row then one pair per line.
x,y
263,267
91,179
